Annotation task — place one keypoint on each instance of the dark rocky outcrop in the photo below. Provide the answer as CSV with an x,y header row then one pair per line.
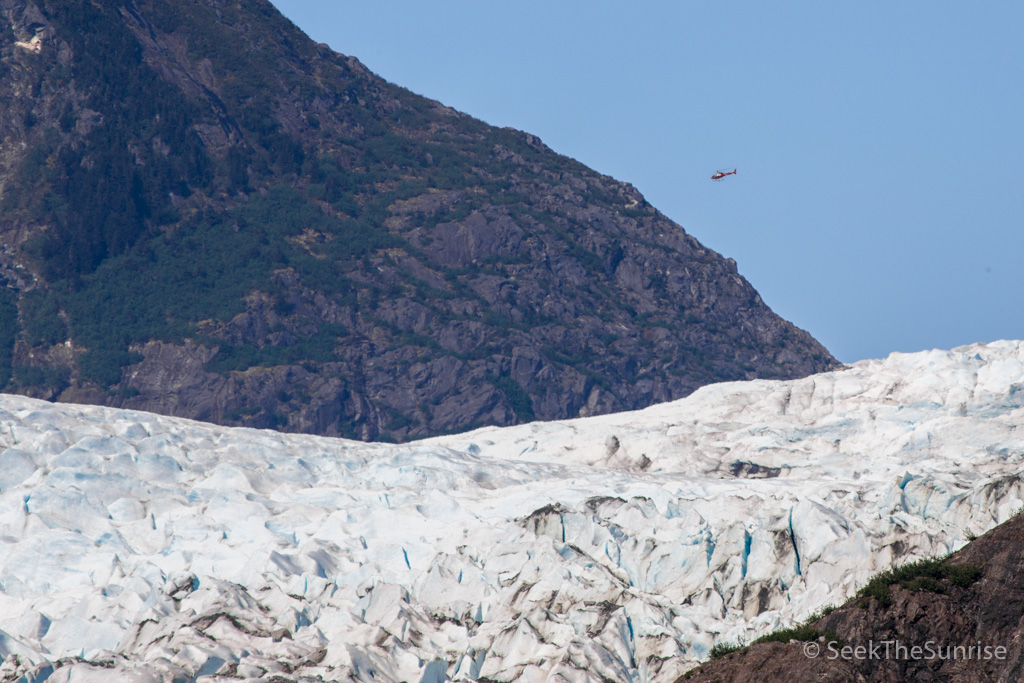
x,y
206,214
965,633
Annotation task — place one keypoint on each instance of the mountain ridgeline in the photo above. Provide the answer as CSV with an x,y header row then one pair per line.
x,y
204,213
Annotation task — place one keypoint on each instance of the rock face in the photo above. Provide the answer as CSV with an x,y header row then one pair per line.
x,y
952,633
208,215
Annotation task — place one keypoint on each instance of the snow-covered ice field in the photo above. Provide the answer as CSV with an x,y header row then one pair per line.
x,y
135,547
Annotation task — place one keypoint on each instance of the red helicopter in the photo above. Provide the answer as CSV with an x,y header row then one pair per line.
x,y
721,174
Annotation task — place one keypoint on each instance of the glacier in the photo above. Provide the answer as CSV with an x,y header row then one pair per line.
x,y
136,547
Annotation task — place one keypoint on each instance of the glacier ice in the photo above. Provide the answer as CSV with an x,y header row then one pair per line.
x,y
137,547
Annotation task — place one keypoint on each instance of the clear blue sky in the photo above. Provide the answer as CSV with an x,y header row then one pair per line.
x,y
879,202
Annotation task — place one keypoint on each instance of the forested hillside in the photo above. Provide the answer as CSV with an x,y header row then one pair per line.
x,y
206,214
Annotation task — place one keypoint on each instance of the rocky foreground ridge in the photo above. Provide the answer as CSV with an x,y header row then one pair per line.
x,y
206,214
931,632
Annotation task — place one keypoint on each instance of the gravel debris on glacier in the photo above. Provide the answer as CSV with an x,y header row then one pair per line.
x,y
135,547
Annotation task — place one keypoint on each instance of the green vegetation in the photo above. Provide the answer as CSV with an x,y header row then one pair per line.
x,y
821,613
103,365
7,37
332,183
40,314
103,194
8,334
577,362
517,397
166,284
929,575
722,649
317,348
398,421
55,379
804,633
587,258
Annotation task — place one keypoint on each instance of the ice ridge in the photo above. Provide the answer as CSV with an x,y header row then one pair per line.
x,y
135,547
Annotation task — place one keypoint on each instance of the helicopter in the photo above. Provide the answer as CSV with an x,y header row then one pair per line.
x,y
718,175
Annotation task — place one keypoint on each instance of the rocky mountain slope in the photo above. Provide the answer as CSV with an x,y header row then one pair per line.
x,y
137,547
206,214
934,629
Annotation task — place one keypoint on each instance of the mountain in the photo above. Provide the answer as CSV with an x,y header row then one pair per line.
x,y
966,626
137,547
206,214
